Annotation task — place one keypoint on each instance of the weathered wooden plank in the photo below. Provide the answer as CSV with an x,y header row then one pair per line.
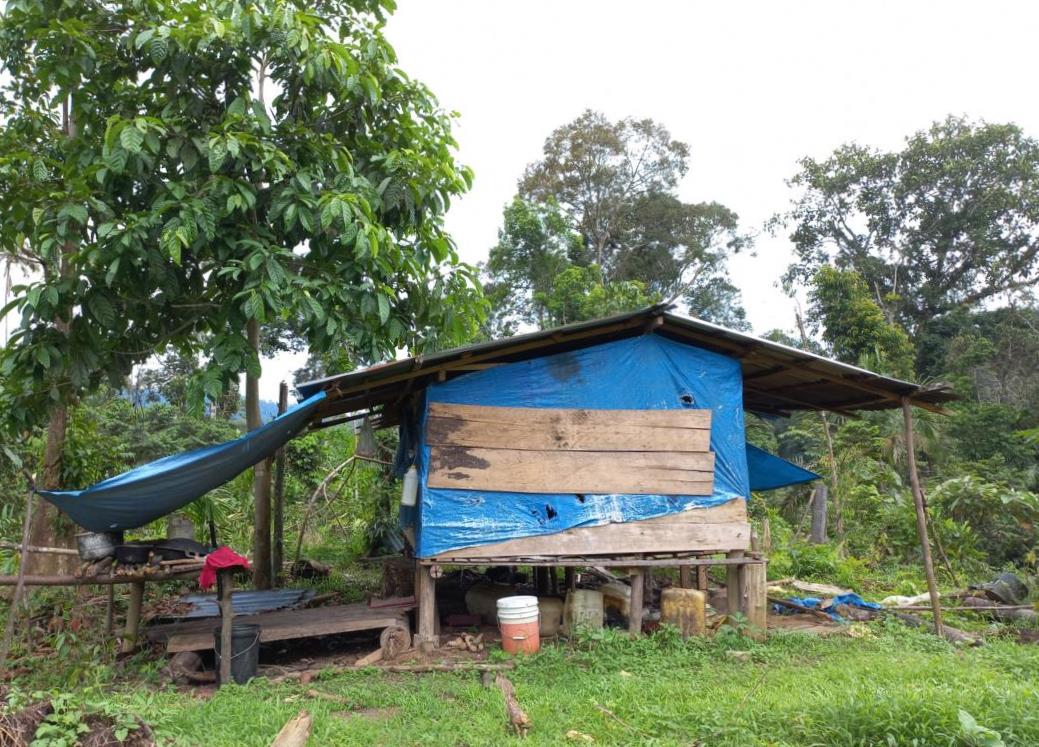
x,y
513,470
695,418
650,535
564,435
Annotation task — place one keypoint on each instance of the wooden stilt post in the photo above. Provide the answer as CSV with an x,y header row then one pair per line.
x,y
685,576
133,617
638,584
425,592
732,582
278,548
921,515
753,601
110,611
570,578
226,624
701,577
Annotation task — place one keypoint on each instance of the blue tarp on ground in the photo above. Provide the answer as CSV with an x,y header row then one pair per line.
x,y
153,490
768,472
649,372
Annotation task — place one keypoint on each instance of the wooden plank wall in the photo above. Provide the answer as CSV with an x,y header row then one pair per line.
x,y
722,528
542,450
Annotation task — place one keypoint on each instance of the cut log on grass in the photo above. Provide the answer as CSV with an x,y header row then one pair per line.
x,y
295,733
518,719
952,635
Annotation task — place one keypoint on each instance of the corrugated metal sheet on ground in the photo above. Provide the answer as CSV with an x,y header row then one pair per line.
x,y
246,602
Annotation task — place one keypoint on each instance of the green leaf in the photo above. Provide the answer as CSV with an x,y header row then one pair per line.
x,y
102,310
131,138
384,308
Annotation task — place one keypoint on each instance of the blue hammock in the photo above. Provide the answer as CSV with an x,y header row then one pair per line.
x,y
158,488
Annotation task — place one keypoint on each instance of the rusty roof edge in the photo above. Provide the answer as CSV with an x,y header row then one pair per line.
x,y
796,356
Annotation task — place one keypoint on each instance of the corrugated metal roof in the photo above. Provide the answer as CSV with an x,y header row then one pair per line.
x,y
246,602
777,378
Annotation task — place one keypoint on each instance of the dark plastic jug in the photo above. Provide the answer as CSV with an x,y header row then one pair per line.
x,y
245,651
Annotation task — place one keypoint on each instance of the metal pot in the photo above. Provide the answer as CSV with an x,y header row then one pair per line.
x,y
97,545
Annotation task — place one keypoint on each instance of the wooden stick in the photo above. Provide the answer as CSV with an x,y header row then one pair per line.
x,y
517,717
226,622
966,608
921,516
278,549
116,578
951,634
133,617
7,545
12,613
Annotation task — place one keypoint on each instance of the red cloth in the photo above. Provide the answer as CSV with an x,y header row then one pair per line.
x,y
222,557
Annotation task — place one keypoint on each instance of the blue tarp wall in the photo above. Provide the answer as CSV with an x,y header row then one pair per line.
x,y
648,372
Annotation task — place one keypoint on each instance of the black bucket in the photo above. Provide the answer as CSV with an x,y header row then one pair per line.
x,y
245,651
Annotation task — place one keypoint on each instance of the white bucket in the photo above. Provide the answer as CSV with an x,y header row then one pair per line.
x,y
518,609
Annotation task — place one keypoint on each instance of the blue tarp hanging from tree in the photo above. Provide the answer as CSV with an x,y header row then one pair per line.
x,y
768,472
158,488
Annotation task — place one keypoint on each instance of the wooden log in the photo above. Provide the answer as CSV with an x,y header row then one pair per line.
x,y
952,635
570,578
800,608
226,625
921,515
43,550
638,584
368,659
295,733
518,718
133,617
425,593
702,578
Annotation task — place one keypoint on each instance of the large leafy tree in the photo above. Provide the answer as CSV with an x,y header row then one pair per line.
x,y
604,195
950,221
220,166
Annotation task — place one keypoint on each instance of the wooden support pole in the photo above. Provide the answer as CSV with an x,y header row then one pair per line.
x,y
921,515
732,581
638,585
569,578
16,600
426,640
702,577
110,610
685,576
226,624
133,617
278,549
753,598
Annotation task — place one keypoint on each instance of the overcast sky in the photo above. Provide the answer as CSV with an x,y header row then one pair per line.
x,y
750,86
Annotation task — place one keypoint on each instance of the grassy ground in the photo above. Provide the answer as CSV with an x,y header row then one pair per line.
x,y
890,686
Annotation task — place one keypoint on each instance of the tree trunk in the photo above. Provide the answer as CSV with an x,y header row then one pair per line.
x,y
921,515
49,528
278,553
261,474
819,496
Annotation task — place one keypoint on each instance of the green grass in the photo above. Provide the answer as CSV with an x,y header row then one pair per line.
x,y
890,688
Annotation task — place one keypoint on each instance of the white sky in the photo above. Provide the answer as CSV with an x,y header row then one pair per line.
x,y
750,86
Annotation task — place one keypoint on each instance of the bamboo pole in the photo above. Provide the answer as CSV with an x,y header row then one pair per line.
x,y
921,515
33,548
